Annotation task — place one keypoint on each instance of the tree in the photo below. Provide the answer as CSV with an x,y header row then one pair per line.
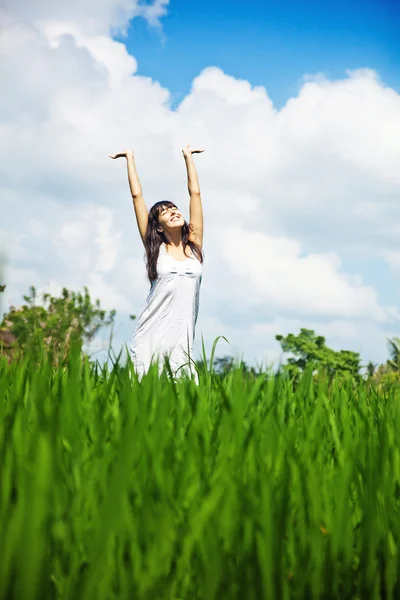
x,y
388,374
53,325
394,353
310,349
223,365
371,368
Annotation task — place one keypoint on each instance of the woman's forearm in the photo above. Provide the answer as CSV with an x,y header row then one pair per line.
x,y
136,191
134,183
192,178
195,206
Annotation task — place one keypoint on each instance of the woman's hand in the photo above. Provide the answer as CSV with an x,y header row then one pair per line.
x,y
125,154
188,151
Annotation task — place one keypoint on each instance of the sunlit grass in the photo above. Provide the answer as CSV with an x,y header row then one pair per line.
x,y
235,488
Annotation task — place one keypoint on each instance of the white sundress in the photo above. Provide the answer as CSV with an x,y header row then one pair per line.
x,y
167,323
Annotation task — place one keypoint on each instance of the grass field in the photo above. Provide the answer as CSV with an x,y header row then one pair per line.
x,y
233,489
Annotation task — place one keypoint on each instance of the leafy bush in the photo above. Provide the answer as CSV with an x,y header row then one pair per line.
x,y
52,325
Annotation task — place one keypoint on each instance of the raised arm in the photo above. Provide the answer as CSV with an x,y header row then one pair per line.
x,y
139,205
195,208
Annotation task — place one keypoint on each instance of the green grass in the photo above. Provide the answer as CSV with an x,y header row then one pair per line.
x,y
233,489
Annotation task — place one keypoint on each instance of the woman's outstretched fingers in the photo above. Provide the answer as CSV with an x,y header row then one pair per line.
x,y
121,154
189,150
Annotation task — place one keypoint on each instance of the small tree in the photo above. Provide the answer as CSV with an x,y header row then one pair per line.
x,y
394,353
371,368
310,349
53,325
387,375
223,365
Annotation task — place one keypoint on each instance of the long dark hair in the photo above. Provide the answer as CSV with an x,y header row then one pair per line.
x,y
154,239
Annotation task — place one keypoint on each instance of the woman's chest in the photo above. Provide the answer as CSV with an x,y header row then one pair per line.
x,y
167,265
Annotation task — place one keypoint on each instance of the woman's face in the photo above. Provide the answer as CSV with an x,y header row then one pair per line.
x,y
170,219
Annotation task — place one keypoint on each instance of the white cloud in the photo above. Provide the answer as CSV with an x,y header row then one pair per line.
x,y
88,238
94,16
287,194
274,271
107,53
336,125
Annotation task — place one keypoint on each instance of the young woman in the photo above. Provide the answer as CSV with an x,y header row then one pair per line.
x,y
166,326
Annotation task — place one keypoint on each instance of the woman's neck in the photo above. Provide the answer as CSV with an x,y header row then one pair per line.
x,y
175,239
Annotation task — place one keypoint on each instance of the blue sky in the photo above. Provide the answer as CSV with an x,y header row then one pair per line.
x,y
268,43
